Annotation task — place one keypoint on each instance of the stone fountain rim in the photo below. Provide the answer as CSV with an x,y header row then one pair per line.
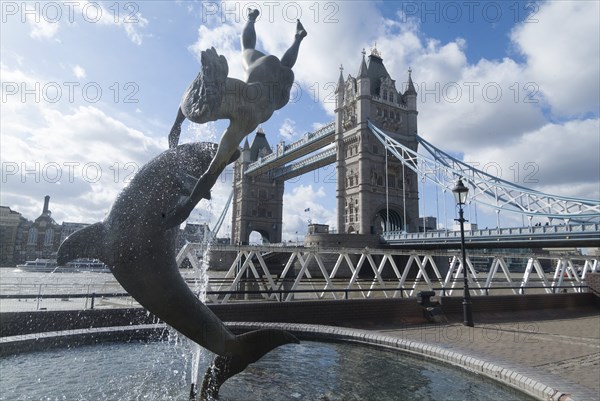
x,y
512,376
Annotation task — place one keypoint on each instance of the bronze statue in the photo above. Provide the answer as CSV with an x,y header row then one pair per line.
x,y
213,96
137,238
139,247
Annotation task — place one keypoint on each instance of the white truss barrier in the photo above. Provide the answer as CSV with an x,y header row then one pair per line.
x,y
443,170
328,273
191,252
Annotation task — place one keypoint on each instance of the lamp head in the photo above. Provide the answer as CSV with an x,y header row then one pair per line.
x,y
460,193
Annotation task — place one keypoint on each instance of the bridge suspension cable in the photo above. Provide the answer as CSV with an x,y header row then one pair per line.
x,y
443,170
213,233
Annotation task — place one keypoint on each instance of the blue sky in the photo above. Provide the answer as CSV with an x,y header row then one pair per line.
x,y
90,90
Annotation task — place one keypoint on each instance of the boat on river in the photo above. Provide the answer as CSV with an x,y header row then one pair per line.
x,y
75,266
39,266
85,265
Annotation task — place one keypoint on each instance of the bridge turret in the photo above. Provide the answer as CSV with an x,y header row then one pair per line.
x,y
410,98
363,71
340,94
411,93
257,200
363,93
340,89
246,152
374,193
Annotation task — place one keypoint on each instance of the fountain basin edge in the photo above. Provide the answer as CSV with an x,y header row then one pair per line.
x,y
513,377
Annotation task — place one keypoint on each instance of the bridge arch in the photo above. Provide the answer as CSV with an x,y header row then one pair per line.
x,y
393,218
258,237
260,234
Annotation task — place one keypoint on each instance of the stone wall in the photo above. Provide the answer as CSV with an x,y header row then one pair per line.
x,y
342,240
535,306
593,282
339,313
345,313
18,323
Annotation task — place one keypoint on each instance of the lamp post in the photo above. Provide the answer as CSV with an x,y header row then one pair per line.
x,y
460,195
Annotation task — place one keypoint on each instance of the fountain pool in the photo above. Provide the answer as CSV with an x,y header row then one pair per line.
x,y
308,371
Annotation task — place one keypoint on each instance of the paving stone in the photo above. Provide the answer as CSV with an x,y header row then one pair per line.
x,y
553,349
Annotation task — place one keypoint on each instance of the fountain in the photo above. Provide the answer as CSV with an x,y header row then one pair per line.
x,y
137,238
309,371
137,241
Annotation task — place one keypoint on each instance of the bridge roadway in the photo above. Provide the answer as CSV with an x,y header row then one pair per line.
x,y
572,235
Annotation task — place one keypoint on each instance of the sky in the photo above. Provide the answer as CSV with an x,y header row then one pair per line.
x,y
90,91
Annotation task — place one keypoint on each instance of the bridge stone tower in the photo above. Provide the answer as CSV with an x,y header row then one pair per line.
x,y
257,200
371,198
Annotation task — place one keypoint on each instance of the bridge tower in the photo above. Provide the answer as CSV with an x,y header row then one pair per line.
x,y
257,200
370,197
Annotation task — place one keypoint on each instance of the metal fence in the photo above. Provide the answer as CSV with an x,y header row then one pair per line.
x,y
30,297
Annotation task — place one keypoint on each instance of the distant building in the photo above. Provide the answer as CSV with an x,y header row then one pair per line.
x,y
43,236
195,233
69,228
22,239
318,229
12,226
427,224
222,241
593,252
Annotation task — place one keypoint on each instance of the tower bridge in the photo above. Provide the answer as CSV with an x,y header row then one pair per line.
x,y
373,191
373,144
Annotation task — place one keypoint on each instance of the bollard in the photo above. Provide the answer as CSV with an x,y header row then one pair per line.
x,y
92,303
39,298
193,392
424,297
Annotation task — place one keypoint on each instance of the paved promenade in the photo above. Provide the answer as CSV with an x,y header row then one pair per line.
x,y
562,351
554,355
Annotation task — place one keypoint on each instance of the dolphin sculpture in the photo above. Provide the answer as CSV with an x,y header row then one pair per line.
x,y
137,241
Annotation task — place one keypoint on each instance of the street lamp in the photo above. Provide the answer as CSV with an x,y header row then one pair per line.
x,y
460,195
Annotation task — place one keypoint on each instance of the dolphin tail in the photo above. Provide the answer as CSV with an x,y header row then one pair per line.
x,y
254,345
84,243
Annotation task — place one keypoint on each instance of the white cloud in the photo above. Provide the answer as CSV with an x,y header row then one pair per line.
x,y
295,202
225,39
125,16
73,158
70,155
475,106
133,29
42,29
288,129
560,159
561,49
79,72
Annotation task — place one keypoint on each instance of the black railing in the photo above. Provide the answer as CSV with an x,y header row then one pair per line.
x,y
280,295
